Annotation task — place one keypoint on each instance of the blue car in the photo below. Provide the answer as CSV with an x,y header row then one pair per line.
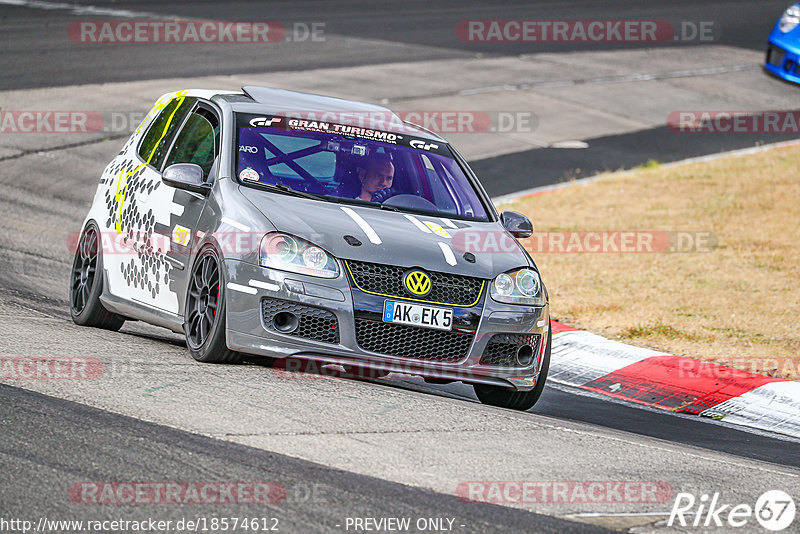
x,y
783,53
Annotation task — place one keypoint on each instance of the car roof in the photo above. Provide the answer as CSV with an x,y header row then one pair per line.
x,y
254,99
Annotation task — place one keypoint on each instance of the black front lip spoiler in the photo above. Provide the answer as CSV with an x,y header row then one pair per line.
x,y
411,368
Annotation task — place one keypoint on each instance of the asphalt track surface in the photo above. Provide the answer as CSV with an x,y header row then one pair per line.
x,y
114,447
50,441
607,154
360,33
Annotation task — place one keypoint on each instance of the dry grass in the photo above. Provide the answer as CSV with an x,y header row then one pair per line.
x,y
737,305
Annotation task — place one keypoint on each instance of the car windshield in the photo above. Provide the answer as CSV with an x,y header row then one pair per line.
x,y
352,164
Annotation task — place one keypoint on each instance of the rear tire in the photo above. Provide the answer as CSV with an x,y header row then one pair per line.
x,y
512,399
86,284
204,325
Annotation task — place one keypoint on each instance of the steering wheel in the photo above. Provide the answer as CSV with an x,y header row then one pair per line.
x,y
412,202
383,195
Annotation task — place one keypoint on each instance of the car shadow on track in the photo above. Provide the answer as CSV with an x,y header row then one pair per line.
x,y
557,402
565,403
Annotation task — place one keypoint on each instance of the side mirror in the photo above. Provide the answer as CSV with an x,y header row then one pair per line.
x,y
517,224
186,176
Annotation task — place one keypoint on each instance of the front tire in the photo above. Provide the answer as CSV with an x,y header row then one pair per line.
x,y
204,325
86,284
512,399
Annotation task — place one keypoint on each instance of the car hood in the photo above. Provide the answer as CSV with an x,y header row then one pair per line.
x,y
391,237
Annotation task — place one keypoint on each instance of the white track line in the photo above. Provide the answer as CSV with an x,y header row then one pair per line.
x,y
625,78
77,9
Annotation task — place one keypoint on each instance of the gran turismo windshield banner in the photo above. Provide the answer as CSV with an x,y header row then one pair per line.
x,y
353,125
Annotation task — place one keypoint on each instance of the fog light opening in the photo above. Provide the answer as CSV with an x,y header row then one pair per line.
x,y
285,322
524,355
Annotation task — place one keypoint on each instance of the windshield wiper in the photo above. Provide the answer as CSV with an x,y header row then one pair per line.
x,y
359,202
288,190
365,203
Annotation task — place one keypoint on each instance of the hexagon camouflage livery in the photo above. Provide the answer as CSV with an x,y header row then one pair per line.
x,y
140,211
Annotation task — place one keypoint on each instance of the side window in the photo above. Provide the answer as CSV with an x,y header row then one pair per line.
x,y
156,141
197,142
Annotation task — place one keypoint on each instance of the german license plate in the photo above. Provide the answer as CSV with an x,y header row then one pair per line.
x,y
417,315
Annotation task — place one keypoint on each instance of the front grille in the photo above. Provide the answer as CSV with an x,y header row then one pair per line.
x,y
387,280
413,342
314,323
501,351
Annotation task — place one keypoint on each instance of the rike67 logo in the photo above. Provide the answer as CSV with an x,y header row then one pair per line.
x,y
774,510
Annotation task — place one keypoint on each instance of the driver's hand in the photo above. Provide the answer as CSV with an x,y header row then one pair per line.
x,y
383,195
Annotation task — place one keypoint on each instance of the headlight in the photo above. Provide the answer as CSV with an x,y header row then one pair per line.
x,y
518,287
287,253
790,19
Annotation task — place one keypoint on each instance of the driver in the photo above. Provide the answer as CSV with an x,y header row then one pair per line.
x,y
376,174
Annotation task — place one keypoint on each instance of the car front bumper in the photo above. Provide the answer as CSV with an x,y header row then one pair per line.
x,y
783,55
331,312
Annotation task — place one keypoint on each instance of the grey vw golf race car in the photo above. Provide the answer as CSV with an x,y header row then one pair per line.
x,y
314,229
